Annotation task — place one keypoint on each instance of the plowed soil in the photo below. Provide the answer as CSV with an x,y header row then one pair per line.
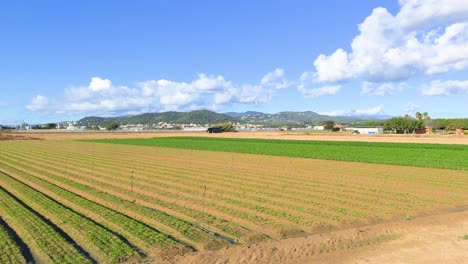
x,y
425,240
17,137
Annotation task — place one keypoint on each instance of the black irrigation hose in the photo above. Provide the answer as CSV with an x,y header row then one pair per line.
x,y
212,233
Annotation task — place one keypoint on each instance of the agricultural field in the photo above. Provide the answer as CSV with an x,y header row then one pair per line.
x,y
409,154
64,201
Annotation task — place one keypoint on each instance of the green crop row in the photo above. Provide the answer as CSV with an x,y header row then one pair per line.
x,y
407,154
35,230
183,227
318,213
356,193
10,249
183,177
112,246
182,196
137,228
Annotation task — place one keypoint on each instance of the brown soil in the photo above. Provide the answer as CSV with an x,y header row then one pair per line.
x,y
17,137
432,239
409,138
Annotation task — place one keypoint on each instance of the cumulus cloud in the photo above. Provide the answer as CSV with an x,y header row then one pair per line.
x,y
411,107
275,79
206,91
38,103
322,91
425,37
333,68
381,89
376,110
98,84
450,87
308,87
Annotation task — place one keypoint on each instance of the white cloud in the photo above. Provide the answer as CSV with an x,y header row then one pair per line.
x,y
333,68
211,82
382,89
425,37
206,91
369,111
336,113
254,94
275,79
38,103
308,87
411,107
376,110
98,84
416,13
322,91
450,87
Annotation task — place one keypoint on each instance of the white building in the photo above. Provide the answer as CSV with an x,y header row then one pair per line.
x,y
368,130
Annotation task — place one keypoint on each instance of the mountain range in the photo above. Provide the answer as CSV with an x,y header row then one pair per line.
x,y
210,117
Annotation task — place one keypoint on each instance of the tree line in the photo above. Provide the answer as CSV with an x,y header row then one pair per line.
x,y
409,124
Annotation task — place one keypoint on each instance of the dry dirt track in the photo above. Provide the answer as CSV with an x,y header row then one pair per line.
x,y
440,139
425,240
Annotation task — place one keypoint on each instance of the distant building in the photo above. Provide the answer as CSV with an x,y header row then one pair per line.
x,y
368,130
193,128
24,126
339,127
318,128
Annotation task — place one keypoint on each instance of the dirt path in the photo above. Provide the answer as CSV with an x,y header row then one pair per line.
x,y
432,239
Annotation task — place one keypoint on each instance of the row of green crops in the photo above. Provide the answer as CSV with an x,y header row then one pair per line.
x,y
407,154
323,201
182,192
10,248
111,246
36,230
137,228
108,183
67,178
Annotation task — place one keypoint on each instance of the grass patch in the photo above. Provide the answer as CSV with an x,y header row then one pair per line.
x,y
406,154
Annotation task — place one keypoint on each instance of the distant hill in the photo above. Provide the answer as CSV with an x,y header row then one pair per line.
x,y
292,117
197,117
239,115
209,117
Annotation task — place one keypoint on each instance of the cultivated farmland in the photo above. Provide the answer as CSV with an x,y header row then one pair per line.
x,y
78,202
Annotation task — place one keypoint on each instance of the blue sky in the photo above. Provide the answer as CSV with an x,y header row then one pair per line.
x,y
63,60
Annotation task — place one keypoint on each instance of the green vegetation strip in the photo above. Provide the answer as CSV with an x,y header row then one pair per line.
x,y
37,230
185,228
10,248
137,228
115,248
406,154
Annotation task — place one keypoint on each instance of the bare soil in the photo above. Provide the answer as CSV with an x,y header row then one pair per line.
x,y
431,239
17,137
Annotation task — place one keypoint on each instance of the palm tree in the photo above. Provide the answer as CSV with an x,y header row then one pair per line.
x,y
426,116
418,116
